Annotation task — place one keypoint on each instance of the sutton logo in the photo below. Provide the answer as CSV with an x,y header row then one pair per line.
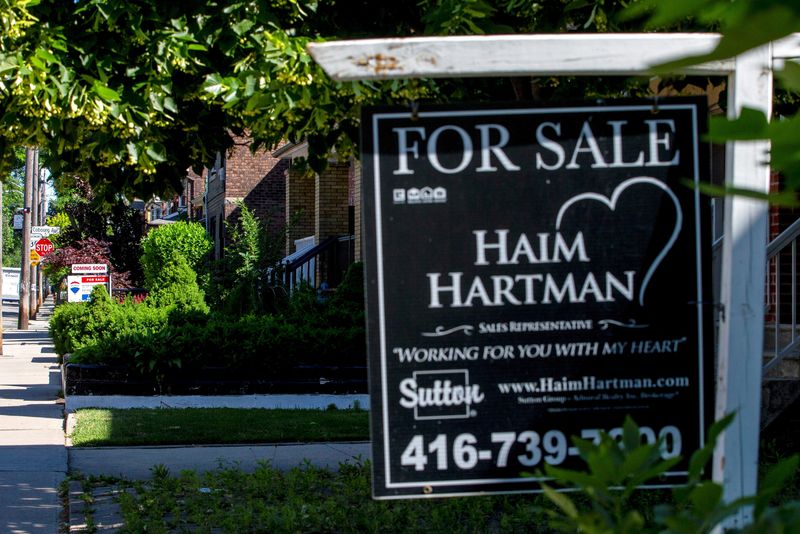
x,y
440,394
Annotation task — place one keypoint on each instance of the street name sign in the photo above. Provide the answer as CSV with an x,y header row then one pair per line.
x,y
45,230
533,274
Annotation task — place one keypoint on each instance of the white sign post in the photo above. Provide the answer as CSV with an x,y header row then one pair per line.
x,y
744,248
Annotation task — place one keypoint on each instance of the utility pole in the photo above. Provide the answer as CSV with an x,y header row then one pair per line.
x,y
42,221
34,204
1,267
24,271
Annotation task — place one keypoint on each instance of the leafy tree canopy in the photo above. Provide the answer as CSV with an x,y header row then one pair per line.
x,y
128,95
746,24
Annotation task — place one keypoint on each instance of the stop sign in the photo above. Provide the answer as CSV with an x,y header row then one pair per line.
x,y
44,247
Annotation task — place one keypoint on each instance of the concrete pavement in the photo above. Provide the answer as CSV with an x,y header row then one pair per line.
x,y
33,460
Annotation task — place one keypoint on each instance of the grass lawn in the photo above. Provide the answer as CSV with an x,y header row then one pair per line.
x,y
105,427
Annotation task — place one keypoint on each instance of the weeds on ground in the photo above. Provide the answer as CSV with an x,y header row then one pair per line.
x,y
310,499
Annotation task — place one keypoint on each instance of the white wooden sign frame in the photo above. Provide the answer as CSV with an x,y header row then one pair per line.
x,y
750,84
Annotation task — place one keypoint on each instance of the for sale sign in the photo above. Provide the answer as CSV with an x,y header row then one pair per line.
x,y
79,288
533,274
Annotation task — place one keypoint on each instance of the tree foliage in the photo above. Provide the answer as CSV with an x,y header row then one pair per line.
x,y
745,25
12,201
128,95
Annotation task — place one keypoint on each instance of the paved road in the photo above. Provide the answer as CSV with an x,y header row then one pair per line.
x,y
33,460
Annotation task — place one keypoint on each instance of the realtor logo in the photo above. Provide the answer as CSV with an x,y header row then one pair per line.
x,y
440,394
423,195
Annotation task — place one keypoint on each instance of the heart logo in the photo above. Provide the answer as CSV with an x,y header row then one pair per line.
x,y
611,203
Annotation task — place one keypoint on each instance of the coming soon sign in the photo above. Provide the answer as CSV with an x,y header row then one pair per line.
x,y
533,274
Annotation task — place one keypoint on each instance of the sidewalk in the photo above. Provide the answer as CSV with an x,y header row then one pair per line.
x,y
33,460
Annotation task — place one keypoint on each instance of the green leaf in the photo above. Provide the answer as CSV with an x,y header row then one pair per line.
x,y
701,457
562,501
761,27
46,55
157,152
169,105
104,92
576,4
706,496
774,481
631,437
790,76
749,125
214,84
133,151
242,27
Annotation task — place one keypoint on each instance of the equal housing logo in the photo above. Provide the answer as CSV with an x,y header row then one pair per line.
x,y
420,195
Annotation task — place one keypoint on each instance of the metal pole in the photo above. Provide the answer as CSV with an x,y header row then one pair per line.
x,y
24,271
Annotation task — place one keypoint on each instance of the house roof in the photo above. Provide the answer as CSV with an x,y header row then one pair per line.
x,y
291,150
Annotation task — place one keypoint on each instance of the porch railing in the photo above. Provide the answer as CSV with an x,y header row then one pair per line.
x,y
321,265
781,338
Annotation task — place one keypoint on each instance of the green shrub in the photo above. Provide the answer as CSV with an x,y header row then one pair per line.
x,y
163,244
175,285
67,326
77,326
173,330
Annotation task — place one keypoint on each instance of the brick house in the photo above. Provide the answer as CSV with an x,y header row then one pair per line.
x,y
321,214
258,179
324,234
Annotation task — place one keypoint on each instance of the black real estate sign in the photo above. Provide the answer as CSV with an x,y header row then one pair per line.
x,y
533,274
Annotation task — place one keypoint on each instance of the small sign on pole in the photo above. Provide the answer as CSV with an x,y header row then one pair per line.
x,y
45,230
35,258
561,287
